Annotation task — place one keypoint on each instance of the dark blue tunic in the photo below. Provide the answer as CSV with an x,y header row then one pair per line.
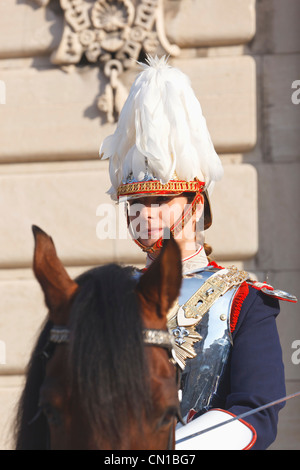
x,y
255,371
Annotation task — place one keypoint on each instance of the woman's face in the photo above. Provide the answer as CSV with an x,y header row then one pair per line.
x,y
149,216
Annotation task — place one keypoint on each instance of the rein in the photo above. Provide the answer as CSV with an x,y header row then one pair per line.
x,y
239,417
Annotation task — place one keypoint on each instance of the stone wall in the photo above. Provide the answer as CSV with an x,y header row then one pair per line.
x,y
241,65
276,51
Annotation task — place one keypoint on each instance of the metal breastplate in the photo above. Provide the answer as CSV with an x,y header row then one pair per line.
x,y
203,373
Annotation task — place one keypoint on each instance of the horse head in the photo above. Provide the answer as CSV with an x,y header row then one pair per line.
x,y
101,375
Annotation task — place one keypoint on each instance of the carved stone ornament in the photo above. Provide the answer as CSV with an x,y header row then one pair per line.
x,y
112,33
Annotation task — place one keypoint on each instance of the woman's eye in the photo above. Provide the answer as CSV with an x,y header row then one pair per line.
x,y
163,200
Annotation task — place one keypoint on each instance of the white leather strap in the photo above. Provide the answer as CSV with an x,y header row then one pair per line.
x,y
237,435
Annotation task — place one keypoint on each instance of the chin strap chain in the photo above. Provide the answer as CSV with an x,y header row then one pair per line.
x,y
176,228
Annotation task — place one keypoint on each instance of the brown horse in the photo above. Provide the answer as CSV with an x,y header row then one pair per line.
x,y
97,378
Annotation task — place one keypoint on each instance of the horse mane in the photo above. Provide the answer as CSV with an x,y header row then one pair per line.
x,y
107,359
30,426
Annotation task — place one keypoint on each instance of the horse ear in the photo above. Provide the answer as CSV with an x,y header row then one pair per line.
x,y
160,284
54,280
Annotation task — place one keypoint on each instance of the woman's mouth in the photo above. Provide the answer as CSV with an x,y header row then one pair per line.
x,y
150,233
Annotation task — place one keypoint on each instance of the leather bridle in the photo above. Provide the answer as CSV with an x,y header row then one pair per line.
x,y
151,337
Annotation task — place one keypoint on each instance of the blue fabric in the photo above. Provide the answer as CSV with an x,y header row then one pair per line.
x,y
255,372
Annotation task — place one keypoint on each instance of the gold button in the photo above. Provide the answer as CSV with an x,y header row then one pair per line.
x,y
223,317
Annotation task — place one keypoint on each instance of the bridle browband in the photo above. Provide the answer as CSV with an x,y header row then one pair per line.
x,y
151,337
59,335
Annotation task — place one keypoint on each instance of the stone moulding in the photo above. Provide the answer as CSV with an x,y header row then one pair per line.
x,y
112,33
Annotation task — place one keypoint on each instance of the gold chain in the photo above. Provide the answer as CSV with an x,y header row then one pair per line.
x,y
211,290
196,307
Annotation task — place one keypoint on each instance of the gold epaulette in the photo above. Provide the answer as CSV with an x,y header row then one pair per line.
x,y
183,319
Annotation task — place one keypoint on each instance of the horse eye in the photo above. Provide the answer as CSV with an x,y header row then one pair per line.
x,y
52,414
168,416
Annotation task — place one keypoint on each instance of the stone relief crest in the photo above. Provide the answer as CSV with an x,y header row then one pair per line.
x,y
112,33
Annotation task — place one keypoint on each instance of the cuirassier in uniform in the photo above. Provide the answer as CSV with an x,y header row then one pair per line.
x,y
163,164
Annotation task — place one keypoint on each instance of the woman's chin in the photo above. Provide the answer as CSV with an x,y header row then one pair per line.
x,y
151,238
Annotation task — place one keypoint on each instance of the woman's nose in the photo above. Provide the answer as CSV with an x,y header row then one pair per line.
x,y
142,210
149,210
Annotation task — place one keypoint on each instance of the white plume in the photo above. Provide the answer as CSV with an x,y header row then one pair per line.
x,y
161,120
